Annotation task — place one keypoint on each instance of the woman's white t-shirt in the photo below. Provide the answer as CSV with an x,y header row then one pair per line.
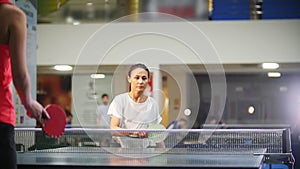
x,y
134,115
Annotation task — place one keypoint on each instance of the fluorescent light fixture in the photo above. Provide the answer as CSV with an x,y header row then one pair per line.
x,y
89,4
274,74
270,65
63,67
75,23
97,76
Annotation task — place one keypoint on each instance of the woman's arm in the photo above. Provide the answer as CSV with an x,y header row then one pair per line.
x,y
17,44
115,125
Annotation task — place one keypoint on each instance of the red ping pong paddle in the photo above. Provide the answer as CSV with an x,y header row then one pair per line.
x,y
55,126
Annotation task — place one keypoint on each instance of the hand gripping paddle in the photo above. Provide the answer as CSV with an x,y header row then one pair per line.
x,y
55,126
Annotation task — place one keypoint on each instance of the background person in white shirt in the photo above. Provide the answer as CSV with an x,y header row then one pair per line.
x,y
103,120
133,109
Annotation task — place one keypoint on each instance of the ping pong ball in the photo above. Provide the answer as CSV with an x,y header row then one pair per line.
x,y
187,112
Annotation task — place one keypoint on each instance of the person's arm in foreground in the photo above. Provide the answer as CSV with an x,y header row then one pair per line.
x,y
21,79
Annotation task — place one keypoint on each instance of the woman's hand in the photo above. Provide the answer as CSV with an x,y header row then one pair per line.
x,y
115,123
36,110
141,134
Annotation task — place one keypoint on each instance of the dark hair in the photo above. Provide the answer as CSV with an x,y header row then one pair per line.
x,y
104,95
138,65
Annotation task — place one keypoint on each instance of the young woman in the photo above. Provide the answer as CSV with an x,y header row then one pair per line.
x,y
133,109
13,67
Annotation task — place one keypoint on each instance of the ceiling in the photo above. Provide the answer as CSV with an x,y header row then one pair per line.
x,y
85,11
92,11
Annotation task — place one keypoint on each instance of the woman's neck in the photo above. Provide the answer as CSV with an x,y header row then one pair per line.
x,y
138,97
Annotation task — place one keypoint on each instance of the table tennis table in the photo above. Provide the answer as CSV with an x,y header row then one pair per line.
x,y
199,148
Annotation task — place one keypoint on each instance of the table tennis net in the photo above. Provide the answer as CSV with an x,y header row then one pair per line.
x,y
205,140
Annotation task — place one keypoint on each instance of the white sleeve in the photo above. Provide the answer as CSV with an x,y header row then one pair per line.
x,y
115,108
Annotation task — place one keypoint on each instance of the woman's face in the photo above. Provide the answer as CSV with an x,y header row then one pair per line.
x,y
138,80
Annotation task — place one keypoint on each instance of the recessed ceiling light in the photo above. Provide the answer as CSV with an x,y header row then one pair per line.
x,y
63,67
274,74
75,23
89,4
69,19
270,65
283,88
97,76
239,89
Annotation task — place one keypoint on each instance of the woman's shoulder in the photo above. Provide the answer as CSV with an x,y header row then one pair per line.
x,y
14,12
122,96
152,100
